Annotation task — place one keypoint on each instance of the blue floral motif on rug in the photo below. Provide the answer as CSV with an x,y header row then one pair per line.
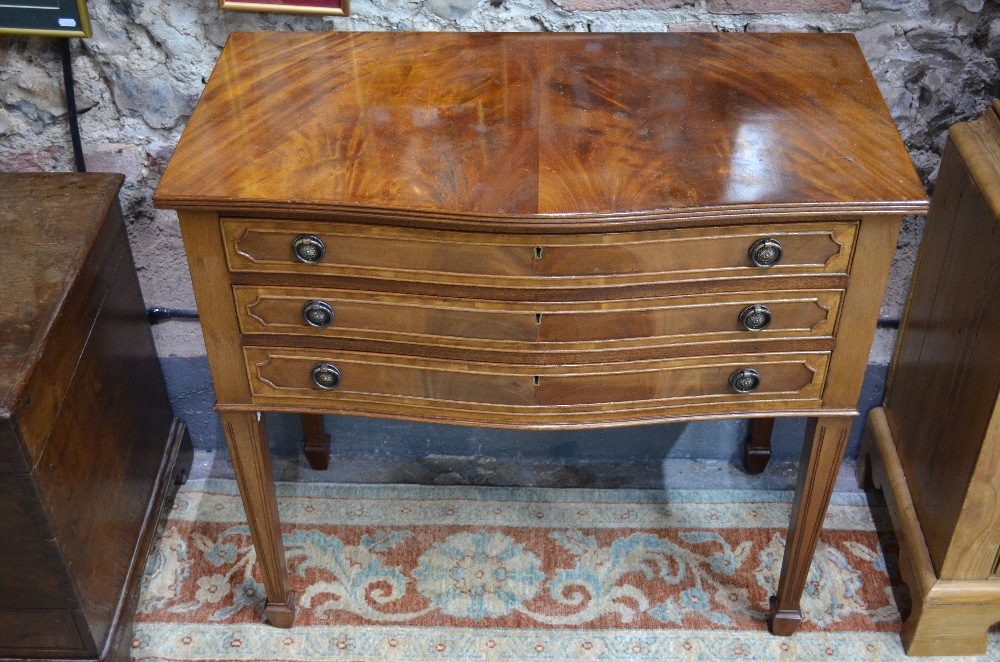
x,y
462,573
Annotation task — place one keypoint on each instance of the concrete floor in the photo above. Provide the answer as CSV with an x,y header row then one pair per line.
x,y
389,451
444,470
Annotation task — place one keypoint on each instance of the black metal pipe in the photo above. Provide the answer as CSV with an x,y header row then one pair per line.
x,y
74,125
159,314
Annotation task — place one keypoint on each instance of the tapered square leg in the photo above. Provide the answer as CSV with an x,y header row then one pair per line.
x,y
246,435
822,453
757,445
783,622
281,614
316,442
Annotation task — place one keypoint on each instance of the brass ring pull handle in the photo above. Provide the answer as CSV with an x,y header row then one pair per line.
x,y
326,376
755,318
765,252
308,248
745,380
317,314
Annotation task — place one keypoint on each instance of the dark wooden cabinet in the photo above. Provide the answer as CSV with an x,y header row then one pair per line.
x,y
88,442
934,446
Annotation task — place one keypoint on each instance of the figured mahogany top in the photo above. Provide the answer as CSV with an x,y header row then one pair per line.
x,y
542,129
48,224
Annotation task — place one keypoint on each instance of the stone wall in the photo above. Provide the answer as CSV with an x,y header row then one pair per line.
x,y
140,75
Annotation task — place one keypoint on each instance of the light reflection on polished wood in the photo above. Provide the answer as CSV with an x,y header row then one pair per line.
x,y
517,125
541,231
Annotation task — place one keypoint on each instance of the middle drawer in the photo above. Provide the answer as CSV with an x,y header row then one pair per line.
x,y
522,326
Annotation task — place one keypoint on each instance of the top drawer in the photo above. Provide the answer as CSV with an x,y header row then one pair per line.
x,y
498,260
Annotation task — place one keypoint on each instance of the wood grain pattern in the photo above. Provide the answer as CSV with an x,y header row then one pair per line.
x,y
578,125
539,231
537,326
115,366
55,289
251,455
757,445
467,258
22,511
533,396
948,617
316,442
935,445
32,261
822,453
859,310
206,260
34,576
87,415
975,141
946,377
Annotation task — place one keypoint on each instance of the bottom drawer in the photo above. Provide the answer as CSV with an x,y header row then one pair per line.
x,y
383,384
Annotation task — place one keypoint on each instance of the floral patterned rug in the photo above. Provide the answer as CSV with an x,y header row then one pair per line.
x,y
397,572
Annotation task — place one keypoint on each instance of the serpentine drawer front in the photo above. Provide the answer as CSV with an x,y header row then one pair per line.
x,y
532,326
539,231
385,384
491,260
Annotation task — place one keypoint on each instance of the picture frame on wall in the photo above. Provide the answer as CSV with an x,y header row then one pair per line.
x,y
50,18
315,7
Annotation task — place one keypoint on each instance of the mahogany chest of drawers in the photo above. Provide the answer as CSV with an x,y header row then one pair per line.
x,y
538,231
88,443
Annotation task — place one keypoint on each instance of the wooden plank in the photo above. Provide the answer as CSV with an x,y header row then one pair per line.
x,y
57,360
947,379
40,261
105,451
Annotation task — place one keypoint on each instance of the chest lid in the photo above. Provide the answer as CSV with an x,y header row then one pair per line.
x,y
49,224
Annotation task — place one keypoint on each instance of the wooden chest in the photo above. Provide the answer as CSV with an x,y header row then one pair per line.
x,y
934,446
88,443
539,231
